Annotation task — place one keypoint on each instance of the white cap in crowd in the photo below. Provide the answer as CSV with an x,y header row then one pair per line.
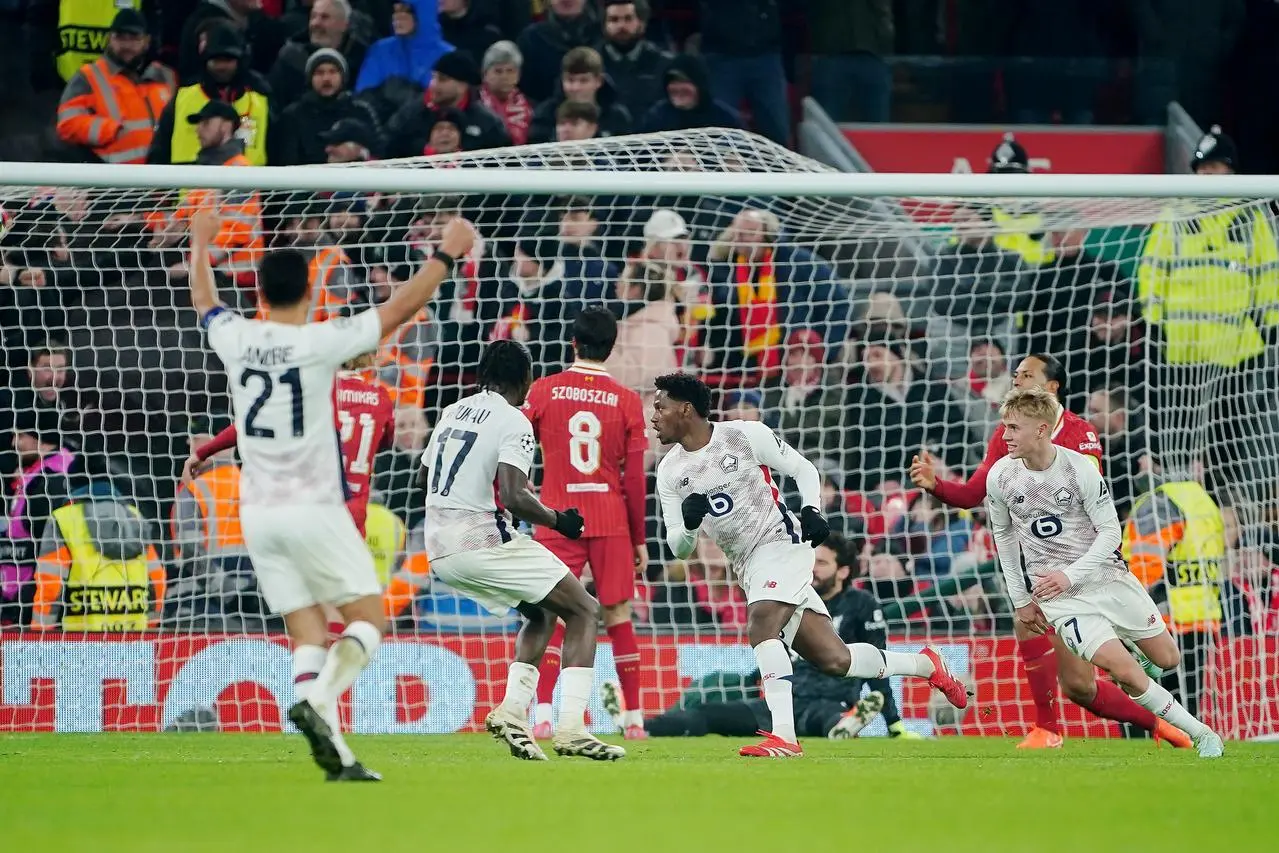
x,y
665,225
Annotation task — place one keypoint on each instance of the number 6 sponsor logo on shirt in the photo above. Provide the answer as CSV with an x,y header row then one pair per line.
x,y
721,504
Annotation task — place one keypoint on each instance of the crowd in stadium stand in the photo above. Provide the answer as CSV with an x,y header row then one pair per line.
x,y
93,287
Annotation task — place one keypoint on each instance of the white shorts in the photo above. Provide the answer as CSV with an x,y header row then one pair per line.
x,y
782,571
308,555
503,576
1122,609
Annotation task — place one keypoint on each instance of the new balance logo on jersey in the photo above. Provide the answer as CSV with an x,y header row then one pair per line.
x,y
683,483
1020,499
1152,620
771,585
729,463
1062,497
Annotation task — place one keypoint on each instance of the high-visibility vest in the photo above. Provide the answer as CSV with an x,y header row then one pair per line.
x,y
98,593
82,31
253,108
239,242
217,492
384,533
1021,234
114,113
1206,283
1186,554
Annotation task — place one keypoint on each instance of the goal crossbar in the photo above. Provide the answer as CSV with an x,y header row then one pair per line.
x,y
400,179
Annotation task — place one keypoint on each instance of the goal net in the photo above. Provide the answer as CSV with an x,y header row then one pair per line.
x,y
865,330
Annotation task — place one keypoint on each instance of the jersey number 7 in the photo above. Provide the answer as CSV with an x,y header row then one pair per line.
x,y
467,439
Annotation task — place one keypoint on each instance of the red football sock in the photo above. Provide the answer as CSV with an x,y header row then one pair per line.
x,y
1041,674
549,670
1114,704
626,657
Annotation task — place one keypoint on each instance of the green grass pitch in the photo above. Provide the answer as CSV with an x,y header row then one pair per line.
x,y
243,793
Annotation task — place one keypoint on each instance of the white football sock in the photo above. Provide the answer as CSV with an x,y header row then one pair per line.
x,y
1162,703
775,674
307,663
575,691
349,654
331,716
521,684
543,713
871,662
632,718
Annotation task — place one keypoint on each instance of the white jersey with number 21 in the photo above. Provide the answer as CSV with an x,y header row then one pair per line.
x,y
281,379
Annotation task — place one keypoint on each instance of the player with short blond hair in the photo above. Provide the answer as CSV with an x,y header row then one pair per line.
x,y
1050,506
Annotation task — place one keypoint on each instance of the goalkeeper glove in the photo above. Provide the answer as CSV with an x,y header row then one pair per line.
x,y
694,509
813,528
568,522
899,730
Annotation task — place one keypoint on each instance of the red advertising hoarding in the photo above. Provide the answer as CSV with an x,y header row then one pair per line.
x,y
137,683
967,148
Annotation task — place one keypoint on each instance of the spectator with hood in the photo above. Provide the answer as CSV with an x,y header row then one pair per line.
x,y
687,102
298,139
408,55
226,77
451,89
329,27
568,24
262,35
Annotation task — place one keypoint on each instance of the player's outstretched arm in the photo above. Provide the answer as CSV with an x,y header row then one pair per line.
x,y
410,297
512,488
771,450
204,289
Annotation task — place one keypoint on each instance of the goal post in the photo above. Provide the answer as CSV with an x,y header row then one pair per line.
x,y
862,332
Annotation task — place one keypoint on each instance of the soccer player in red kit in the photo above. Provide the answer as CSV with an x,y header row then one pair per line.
x,y
1038,651
591,430
365,423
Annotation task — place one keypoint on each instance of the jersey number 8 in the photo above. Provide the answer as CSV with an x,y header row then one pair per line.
x,y
584,432
1046,526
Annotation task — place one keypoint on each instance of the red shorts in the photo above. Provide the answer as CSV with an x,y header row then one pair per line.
x,y
359,509
612,561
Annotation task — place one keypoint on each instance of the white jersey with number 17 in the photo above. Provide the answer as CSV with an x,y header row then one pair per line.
x,y
281,378
472,437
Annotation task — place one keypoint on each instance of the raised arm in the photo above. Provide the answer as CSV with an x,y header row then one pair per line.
x,y
204,290
410,297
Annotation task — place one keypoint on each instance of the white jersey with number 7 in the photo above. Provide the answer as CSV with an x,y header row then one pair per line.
x,y
281,379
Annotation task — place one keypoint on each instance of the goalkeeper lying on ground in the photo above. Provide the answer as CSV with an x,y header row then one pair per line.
x,y
824,706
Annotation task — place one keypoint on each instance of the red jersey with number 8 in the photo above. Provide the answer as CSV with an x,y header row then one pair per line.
x,y
366,425
591,431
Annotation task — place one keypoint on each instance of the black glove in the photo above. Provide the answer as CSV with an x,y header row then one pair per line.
x,y
694,508
813,528
569,523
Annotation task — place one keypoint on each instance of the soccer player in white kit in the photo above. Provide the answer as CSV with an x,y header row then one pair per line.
x,y
1050,506
717,476
305,549
475,473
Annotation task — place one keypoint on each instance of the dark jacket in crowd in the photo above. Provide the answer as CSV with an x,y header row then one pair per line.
x,y
297,136
473,32
857,618
265,37
615,119
740,27
544,45
709,112
850,26
637,74
410,127
288,75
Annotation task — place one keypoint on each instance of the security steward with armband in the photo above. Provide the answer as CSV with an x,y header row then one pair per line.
x,y
97,570
226,78
1175,543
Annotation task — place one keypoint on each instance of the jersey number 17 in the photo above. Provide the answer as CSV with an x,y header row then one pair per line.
x,y
465,440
